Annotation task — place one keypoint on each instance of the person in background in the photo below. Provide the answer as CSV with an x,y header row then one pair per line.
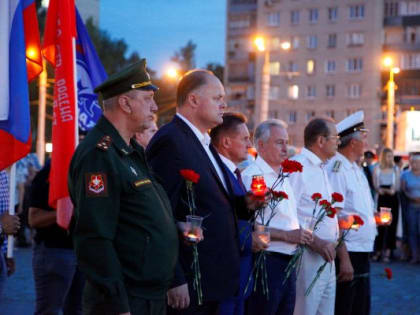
x,y
26,169
143,137
9,225
410,186
386,179
58,283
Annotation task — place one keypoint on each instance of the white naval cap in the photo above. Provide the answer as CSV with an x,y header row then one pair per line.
x,y
352,123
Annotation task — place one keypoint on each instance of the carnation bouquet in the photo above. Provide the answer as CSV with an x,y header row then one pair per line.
x,y
346,224
264,215
321,209
192,178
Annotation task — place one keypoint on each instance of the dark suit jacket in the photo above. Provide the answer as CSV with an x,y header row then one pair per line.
x,y
175,147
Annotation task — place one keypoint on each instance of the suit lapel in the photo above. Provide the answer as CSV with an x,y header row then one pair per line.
x,y
204,156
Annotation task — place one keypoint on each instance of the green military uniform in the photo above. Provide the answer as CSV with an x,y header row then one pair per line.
x,y
125,236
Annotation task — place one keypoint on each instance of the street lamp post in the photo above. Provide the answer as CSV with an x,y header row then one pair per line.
x,y
262,79
390,102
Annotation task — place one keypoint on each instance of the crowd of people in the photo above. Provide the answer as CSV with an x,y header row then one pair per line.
x,y
128,250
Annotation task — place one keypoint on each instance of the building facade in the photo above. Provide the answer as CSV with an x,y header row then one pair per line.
x,y
334,64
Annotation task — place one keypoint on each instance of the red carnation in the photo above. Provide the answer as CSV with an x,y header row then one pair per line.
x,y
331,211
358,220
289,166
388,273
336,197
324,203
279,194
190,175
316,196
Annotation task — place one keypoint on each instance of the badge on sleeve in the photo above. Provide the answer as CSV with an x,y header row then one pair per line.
x,y
96,185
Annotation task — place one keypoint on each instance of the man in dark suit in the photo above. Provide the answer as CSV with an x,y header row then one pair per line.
x,y
231,140
184,144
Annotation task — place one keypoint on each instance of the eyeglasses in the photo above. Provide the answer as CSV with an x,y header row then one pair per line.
x,y
336,138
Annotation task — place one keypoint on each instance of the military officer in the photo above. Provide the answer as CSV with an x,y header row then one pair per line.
x,y
125,237
347,178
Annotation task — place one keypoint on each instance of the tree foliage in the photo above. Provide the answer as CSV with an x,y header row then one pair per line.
x,y
185,57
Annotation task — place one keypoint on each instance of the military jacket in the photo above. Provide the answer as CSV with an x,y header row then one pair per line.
x,y
125,236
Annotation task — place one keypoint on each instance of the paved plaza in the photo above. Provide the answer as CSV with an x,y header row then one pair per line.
x,y
401,295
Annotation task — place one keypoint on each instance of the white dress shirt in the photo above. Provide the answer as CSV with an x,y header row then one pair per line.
x,y
204,139
230,165
286,216
349,180
313,179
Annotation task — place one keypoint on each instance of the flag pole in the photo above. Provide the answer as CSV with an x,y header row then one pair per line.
x,y
12,195
40,137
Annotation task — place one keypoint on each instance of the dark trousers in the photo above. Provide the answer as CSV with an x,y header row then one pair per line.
x,y
282,296
207,308
386,238
353,297
413,215
58,281
3,274
96,303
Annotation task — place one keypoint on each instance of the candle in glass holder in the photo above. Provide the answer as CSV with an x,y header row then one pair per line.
x,y
378,218
345,222
263,233
386,215
258,186
308,223
193,227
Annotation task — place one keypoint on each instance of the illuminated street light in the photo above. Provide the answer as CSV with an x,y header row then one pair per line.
x,y
259,42
172,73
285,45
48,147
31,52
388,63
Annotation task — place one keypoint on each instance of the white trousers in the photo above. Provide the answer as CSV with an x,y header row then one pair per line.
x,y
321,300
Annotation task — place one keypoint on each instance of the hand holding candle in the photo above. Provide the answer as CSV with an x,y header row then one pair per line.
x,y
258,186
263,233
193,232
386,215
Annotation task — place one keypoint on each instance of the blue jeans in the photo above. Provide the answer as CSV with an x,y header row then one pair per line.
x,y
282,297
58,281
3,274
413,218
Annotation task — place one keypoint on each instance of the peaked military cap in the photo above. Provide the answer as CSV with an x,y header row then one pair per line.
x,y
132,77
351,124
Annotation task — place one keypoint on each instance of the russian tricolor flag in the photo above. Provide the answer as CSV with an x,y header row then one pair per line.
x,y
20,62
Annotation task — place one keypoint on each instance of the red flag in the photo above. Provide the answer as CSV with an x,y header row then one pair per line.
x,y
20,54
59,50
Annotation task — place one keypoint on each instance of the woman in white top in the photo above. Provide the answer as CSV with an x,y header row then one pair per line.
x,y
386,179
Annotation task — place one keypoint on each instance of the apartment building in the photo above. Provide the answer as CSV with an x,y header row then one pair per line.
x,y
334,65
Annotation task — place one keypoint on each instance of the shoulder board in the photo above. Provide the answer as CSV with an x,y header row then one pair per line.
x,y
336,166
104,143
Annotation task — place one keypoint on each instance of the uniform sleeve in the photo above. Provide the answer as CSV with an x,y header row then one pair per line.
x,y
96,189
165,161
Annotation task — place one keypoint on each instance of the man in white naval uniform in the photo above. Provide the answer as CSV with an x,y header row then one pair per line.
x,y
347,178
320,140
